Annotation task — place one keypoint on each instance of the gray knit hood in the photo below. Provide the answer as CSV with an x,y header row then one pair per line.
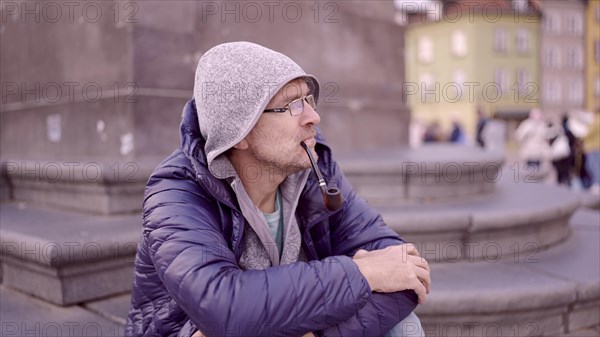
x,y
234,83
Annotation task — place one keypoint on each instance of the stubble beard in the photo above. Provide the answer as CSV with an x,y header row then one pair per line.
x,y
278,160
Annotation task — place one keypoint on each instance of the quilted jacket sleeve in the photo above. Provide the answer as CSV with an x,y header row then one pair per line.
x,y
359,226
200,272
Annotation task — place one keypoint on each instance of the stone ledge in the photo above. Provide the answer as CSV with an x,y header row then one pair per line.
x,y
82,258
584,315
527,202
465,229
542,322
577,259
590,200
590,332
94,186
74,238
105,171
432,172
555,293
93,199
586,220
395,159
492,288
71,284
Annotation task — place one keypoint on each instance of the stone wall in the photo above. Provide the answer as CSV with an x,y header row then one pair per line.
x,y
109,80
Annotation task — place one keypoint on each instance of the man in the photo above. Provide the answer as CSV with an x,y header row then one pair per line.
x,y
237,240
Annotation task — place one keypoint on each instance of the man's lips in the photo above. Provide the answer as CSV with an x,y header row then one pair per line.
x,y
310,137
310,141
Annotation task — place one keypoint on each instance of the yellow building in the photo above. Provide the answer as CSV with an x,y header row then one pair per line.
x,y
592,46
592,93
468,60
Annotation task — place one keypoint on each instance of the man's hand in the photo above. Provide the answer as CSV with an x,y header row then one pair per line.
x,y
395,268
310,334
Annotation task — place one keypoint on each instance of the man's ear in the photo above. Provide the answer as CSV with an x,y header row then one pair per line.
x,y
242,145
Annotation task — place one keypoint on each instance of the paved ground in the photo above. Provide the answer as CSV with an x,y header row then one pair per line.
x,y
23,315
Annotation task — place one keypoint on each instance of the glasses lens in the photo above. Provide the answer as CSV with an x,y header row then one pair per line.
x,y
296,107
311,101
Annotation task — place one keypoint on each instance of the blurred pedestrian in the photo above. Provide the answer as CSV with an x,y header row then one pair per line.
x,y
580,167
592,150
481,122
533,135
433,133
416,132
561,152
578,125
457,135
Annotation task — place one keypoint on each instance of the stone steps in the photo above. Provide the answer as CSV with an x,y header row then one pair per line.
x,y
64,257
516,219
439,172
552,292
105,187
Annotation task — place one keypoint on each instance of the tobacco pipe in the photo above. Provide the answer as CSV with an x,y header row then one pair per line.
x,y
331,195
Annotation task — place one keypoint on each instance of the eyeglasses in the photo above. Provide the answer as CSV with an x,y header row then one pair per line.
x,y
296,106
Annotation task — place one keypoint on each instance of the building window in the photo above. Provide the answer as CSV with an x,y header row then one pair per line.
x,y
597,86
569,24
570,59
552,91
546,92
557,58
597,12
579,24
459,43
429,92
574,23
523,40
551,57
501,79
597,51
575,58
576,92
522,81
552,23
425,49
579,58
547,57
459,79
500,40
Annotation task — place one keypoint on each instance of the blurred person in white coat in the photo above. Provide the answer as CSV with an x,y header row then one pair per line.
x,y
533,135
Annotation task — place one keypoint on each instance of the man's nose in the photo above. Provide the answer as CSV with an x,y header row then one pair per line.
x,y
309,115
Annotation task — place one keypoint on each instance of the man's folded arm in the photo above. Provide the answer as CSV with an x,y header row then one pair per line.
x,y
200,272
358,226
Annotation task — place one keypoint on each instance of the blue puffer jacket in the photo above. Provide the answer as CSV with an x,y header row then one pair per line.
x,y
186,268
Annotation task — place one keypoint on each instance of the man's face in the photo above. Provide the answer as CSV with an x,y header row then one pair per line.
x,y
275,140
